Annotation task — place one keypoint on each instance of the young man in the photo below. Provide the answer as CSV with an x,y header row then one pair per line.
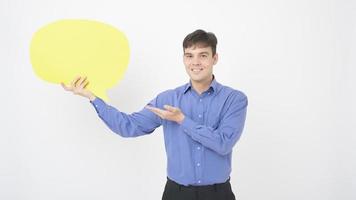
x,y
202,121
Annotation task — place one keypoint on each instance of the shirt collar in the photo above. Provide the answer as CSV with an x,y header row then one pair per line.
x,y
213,85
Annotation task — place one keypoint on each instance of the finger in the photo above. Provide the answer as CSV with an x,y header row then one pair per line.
x,y
152,109
170,108
80,83
65,87
157,111
74,81
86,84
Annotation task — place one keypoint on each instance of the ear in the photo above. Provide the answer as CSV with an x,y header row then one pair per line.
x,y
216,58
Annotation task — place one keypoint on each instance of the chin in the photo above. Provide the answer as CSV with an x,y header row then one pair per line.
x,y
195,79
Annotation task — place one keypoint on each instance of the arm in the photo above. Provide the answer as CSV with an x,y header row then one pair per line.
x,y
133,125
224,137
127,125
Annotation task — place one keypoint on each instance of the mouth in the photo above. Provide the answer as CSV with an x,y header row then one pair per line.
x,y
196,70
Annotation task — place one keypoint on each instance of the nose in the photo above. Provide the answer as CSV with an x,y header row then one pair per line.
x,y
196,61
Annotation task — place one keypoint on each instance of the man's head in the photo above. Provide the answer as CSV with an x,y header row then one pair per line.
x,y
200,55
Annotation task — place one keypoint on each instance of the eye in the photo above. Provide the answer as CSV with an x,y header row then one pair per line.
x,y
204,56
188,56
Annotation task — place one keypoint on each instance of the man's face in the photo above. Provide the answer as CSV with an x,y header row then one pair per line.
x,y
199,62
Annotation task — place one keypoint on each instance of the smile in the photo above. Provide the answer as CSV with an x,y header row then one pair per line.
x,y
196,69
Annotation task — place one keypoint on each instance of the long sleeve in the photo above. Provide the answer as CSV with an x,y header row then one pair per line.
x,y
127,125
224,137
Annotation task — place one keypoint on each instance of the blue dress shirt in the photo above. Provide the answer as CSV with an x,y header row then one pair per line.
x,y
198,150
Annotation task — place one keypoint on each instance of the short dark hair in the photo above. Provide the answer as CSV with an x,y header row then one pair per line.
x,y
201,38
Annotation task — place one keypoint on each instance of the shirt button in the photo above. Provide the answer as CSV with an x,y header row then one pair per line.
x,y
198,164
208,92
200,116
200,100
199,181
198,148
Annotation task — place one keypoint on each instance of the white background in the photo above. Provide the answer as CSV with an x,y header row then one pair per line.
x,y
294,59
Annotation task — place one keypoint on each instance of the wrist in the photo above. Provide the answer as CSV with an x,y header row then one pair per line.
x,y
92,97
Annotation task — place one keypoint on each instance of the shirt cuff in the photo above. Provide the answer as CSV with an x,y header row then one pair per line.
x,y
188,126
98,104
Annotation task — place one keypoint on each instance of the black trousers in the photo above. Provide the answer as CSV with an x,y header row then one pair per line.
x,y
175,191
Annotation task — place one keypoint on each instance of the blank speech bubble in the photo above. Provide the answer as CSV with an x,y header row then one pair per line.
x,y
64,49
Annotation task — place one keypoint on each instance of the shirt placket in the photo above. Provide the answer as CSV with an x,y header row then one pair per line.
x,y
198,148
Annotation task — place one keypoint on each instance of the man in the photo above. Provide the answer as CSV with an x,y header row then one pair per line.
x,y
202,121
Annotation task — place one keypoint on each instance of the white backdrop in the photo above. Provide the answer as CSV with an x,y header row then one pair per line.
x,y
295,60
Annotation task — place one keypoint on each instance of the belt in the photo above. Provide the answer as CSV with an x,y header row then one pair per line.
x,y
217,186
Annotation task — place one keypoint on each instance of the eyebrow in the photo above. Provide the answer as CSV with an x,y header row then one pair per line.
x,y
204,52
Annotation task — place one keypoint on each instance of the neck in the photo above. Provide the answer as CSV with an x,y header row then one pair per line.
x,y
203,86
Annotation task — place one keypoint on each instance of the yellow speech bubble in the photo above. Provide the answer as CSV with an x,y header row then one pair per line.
x,y
64,49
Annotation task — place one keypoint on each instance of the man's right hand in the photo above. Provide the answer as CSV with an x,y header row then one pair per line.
x,y
78,87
